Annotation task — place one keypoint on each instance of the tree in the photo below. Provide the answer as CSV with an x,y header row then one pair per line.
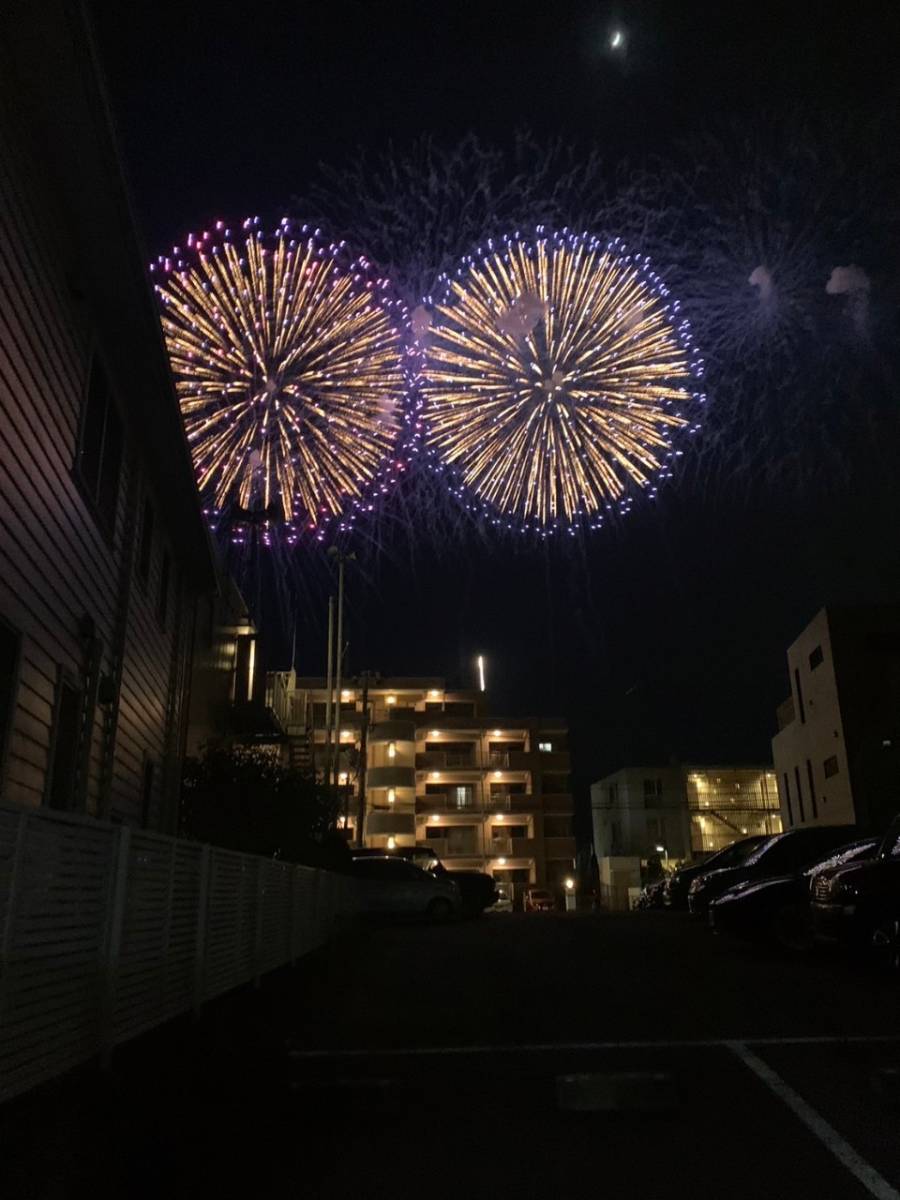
x,y
243,798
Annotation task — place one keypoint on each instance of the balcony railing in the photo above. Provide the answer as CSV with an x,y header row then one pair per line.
x,y
451,759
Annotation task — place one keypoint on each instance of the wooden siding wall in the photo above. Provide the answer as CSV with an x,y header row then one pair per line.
x,y
56,564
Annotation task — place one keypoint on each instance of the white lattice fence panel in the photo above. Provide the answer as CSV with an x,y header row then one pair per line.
x,y
56,912
108,931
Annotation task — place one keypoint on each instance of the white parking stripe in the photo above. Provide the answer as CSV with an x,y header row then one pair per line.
x,y
564,1047
874,1183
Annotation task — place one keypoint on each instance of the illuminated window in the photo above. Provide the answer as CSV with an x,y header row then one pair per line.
x,y
545,747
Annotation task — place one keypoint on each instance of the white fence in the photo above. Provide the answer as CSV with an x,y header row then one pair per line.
x,y
108,931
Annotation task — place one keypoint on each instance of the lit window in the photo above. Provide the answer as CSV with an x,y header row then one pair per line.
x,y
545,747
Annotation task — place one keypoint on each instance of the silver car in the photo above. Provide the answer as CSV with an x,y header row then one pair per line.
x,y
394,887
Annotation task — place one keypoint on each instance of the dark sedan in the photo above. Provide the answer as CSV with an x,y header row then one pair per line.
x,y
675,892
860,902
778,906
782,854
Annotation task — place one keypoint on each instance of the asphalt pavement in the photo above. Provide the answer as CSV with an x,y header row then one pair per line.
x,y
516,1055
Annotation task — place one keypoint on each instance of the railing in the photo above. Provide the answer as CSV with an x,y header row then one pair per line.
x,y
108,931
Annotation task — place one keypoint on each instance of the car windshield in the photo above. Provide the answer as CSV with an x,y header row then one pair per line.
x,y
757,852
864,848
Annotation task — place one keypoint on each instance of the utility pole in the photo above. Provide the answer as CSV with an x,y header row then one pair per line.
x,y
338,672
328,691
332,773
363,761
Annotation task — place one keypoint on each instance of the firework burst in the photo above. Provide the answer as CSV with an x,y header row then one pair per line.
x,y
289,362
558,370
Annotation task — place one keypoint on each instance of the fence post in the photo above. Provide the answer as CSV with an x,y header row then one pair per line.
x,y
114,941
200,939
260,899
12,895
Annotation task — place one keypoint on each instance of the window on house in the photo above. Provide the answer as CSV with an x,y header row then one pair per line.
x,y
64,752
816,658
462,797
830,766
100,448
799,795
652,788
545,747
787,799
9,670
146,548
812,790
162,603
509,831
800,707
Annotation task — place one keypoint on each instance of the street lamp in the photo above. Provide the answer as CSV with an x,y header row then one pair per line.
x,y
663,850
569,885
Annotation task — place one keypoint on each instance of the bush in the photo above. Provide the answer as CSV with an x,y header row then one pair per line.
x,y
243,798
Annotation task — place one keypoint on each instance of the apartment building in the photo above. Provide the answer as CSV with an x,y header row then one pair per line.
x,y
837,749
687,810
433,768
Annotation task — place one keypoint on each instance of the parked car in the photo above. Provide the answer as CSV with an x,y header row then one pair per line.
x,y
393,886
779,905
675,892
539,900
859,902
476,888
779,855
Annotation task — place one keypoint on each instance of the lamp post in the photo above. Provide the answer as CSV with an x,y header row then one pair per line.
x,y
570,894
663,850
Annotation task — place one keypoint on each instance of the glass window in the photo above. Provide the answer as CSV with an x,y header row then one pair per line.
x,y
545,747
830,766
816,657
67,722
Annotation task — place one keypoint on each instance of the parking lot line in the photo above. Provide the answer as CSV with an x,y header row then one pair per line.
x,y
565,1047
874,1183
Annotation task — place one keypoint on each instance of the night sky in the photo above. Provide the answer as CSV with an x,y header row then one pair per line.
x,y
661,638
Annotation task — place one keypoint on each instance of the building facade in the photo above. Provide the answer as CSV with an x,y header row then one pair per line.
x,y
687,810
837,749
424,764
103,549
